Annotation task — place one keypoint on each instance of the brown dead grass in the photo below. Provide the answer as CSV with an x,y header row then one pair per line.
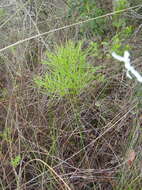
x,y
85,142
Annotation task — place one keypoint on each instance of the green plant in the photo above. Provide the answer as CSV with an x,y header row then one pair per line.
x,y
118,42
4,93
86,9
69,71
16,161
118,46
123,31
120,4
94,49
119,21
6,135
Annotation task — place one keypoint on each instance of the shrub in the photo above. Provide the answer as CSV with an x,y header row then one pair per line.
x,y
69,70
119,21
86,9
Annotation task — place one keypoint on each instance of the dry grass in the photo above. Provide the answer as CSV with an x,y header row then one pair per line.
x,y
80,144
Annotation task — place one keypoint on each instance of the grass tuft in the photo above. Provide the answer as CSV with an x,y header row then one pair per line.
x,y
68,72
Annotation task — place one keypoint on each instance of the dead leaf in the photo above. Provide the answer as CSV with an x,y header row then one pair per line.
x,y
131,157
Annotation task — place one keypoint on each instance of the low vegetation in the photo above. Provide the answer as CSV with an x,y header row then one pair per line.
x,y
70,118
68,71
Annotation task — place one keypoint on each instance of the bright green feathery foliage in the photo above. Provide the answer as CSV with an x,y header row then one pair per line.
x,y
68,72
